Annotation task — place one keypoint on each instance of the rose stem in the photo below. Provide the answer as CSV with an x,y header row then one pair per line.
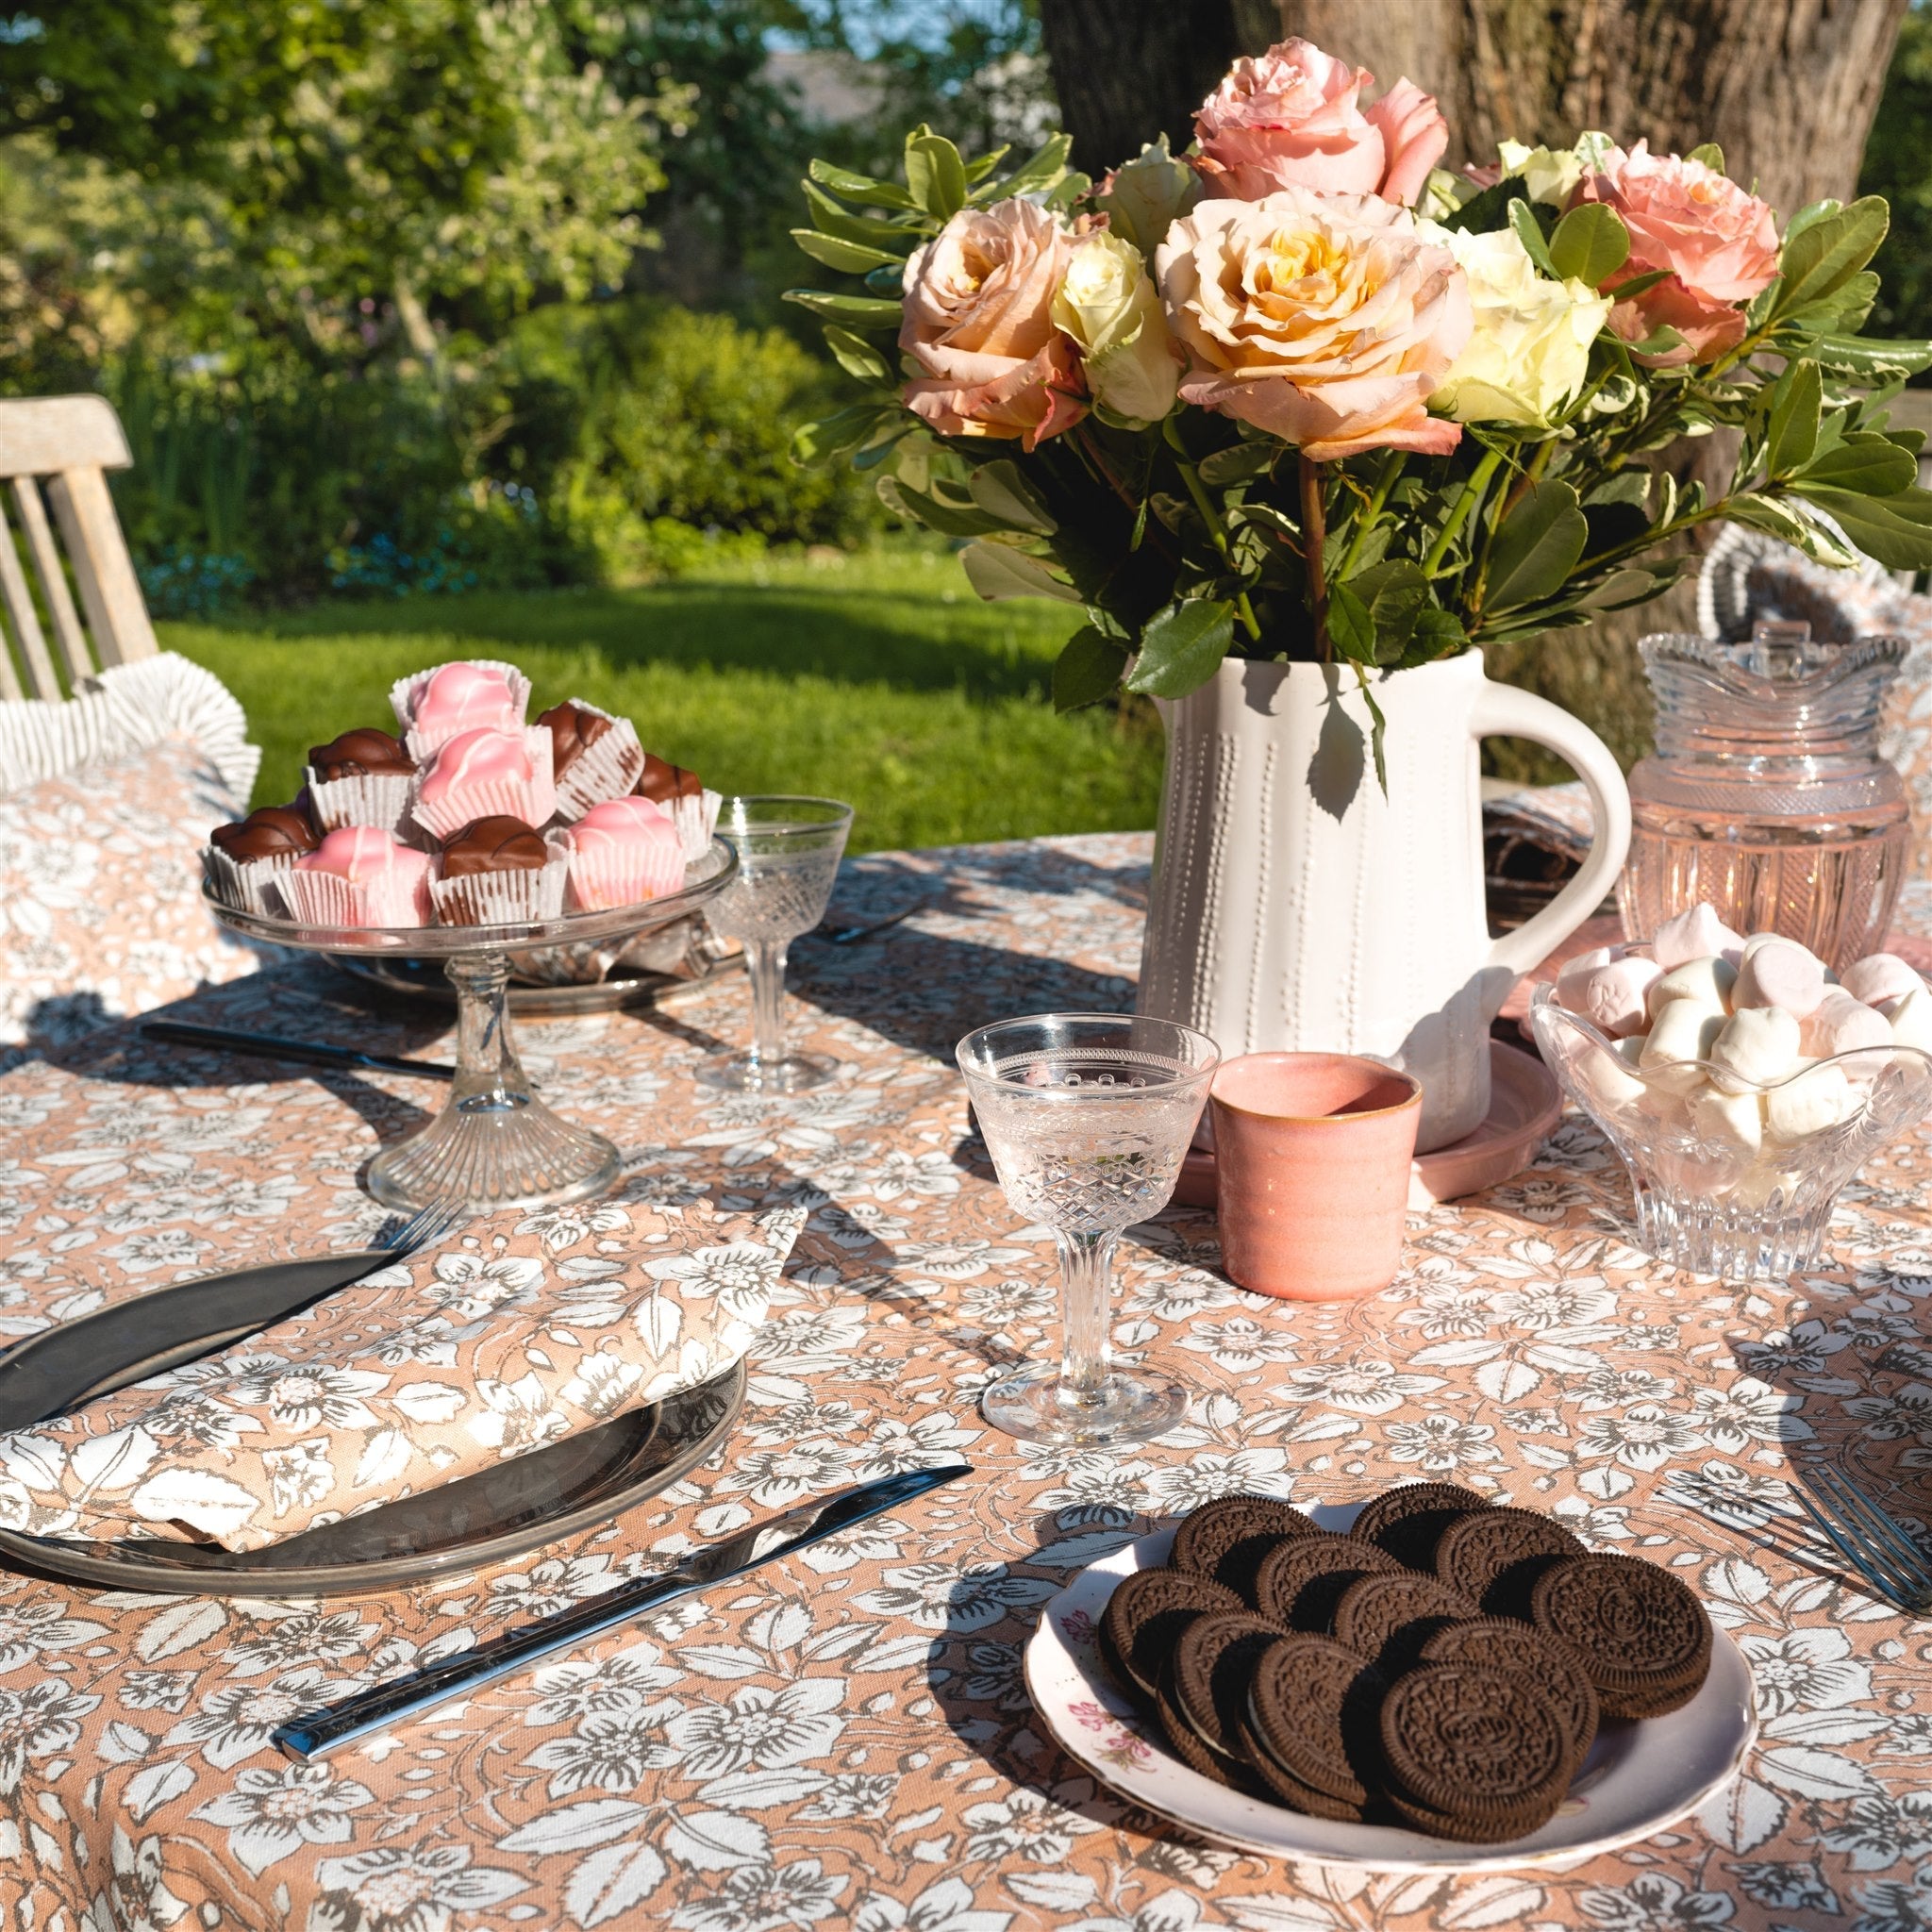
x,y
1313,533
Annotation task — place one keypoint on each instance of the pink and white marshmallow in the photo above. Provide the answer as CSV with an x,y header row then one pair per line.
x,y
1780,973
1610,993
1694,935
1881,976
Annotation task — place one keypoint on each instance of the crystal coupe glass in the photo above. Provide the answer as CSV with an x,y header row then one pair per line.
x,y
1087,1117
788,857
1707,1199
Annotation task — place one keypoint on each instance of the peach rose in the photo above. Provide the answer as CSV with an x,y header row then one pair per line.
x,y
1717,240
979,318
1289,118
1327,320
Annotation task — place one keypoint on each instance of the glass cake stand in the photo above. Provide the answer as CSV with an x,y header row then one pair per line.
x,y
495,1144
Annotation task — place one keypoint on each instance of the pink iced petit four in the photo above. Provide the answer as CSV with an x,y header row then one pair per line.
x,y
359,876
488,774
621,853
437,706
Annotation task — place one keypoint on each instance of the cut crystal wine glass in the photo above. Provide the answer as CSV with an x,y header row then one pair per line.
x,y
788,857
1087,1117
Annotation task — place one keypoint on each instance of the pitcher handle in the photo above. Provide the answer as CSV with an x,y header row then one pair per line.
x,y
1503,712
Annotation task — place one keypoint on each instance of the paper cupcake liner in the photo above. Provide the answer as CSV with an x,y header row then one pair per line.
x,y
243,884
606,770
696,819
326,898
377,798
502,898
628,877
534,802
406,691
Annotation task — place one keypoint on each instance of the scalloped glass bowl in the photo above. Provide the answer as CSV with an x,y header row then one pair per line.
x,y
1706,1201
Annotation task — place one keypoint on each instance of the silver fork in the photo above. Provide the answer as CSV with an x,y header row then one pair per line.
x,y
423,1228
1881,1553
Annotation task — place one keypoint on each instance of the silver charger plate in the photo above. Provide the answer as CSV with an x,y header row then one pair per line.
x,y
423,981
497,1514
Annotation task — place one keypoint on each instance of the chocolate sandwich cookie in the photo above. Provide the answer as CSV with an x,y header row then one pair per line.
x,y
1203,1688
1143,1620
1639,1631
1310,1725
1471,1753
363,753
1501,1643
1206,1535
1407,1520
1494,1556
1299,1583
1386,1619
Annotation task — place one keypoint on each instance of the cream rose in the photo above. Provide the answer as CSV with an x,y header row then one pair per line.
x,y
1550,175
1108,309
978,319
1327,320
1291,118
1529,351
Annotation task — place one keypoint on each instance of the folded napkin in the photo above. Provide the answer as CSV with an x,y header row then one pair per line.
x,y
513,1337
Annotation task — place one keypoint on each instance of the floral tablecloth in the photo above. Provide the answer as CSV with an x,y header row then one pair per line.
x,y
844,1739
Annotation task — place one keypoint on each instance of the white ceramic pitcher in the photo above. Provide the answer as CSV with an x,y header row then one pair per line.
x,y
1295,908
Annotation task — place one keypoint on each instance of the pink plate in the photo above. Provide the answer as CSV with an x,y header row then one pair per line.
x,y
1525,1103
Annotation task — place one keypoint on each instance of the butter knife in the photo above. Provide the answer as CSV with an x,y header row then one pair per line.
x,y
316,1733
275,1046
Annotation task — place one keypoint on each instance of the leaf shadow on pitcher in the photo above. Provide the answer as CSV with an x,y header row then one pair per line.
x,y
1340,759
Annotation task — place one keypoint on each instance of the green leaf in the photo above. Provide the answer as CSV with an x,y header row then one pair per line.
x,y
856,356
828,436
1590,244
1003,490
1351,625
1619,589
859,311
980,166
1781,521
859,188
1378,730
997,571
1529,232
1490,209
1633,286
1437,634
827,215
1240,462
1396,594
916,506
854,257
1867,464
1870,357
1537,546
1658,343
1894,530
1827,254
935,173
1042,169
1087,669
1809,215
1182,646
1792,437
1709,153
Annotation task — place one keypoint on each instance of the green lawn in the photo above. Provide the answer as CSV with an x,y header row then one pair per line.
x,y
880,678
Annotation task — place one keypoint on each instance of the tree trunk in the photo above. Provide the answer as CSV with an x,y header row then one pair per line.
x,y
1787,88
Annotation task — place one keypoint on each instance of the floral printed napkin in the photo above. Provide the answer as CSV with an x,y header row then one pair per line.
x,y
517,1333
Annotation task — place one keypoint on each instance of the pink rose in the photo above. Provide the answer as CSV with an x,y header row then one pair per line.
x,y
1327,320
1289,118
978,319
1717,240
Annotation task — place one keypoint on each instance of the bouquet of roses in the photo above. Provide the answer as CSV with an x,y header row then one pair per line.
x,y
1299,392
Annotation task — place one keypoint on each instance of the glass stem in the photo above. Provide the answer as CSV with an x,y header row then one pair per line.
x,y
764,961
490,1077
1086,1288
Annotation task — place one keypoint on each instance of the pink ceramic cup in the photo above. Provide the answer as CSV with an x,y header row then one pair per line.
x,y
1313,1152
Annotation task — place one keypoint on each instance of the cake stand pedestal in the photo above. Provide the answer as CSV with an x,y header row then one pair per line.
x,y
495,1144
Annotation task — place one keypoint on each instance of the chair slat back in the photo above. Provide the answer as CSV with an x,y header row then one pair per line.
x,y
62,446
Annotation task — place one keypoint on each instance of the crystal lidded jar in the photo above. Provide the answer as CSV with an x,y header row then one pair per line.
x,y
1766,795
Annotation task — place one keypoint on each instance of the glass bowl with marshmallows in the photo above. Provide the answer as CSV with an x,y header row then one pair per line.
x,y
1741,1081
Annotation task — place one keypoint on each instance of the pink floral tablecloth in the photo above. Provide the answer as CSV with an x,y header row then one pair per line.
x,y
844,1739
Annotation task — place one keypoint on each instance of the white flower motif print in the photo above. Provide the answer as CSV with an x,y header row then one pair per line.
x,y
769,1728
763,1898
137,1898
416,1890
1748,1412
1655,1902
36,1723
1644,1437
235,1720
1177,1486
938,1597
1026,1824
1879,1829
28,1630
1361,1385
1240,1343
1804,1669
517,1416
945,1905
271,1814
311,1395
1440,1444
572,1690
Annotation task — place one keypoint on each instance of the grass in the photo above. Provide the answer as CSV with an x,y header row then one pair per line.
x,y
880,678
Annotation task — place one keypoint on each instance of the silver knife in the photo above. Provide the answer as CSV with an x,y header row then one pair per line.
x,y
274,1046
318,1732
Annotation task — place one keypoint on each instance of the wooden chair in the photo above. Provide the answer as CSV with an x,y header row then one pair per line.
x,y
62,446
